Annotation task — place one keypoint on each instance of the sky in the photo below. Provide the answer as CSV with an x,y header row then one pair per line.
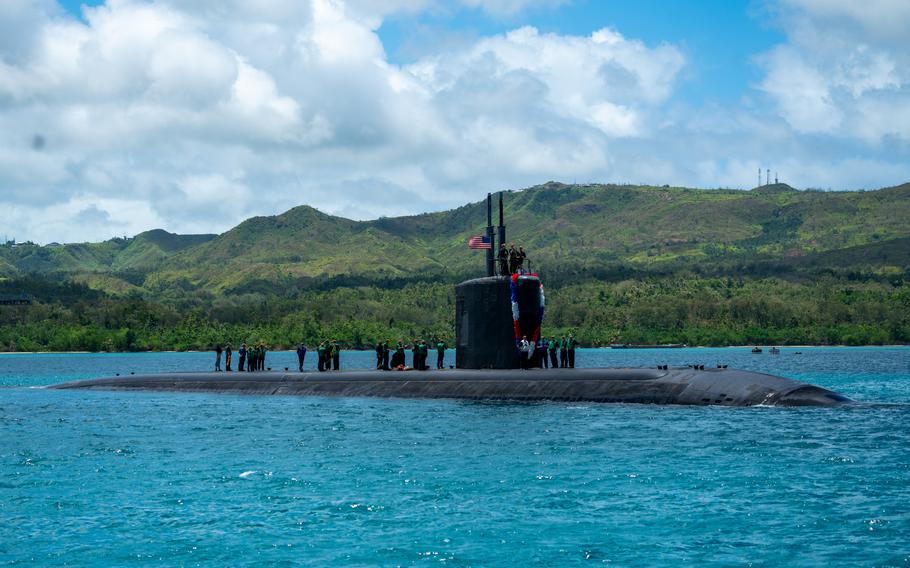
x,y
120,116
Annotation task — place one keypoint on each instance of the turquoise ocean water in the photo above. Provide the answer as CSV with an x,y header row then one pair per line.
x,y
169,479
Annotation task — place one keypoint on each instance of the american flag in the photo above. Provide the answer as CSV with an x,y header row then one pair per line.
x,y
479,242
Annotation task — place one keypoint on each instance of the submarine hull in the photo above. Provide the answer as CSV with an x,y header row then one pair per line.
x,y
723,387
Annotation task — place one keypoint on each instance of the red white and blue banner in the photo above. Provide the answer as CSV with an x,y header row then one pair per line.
x,y
533,334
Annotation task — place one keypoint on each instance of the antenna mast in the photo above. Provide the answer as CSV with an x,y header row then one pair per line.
x,y
490,234
502,226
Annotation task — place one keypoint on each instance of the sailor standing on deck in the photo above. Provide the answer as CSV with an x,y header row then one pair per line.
x,y
424,354
542,353
227,358
385,355
336,355
301,355
524,352
217,357
440,354
513,259
551,348
320,351
379,355
242,354
563,353
571,348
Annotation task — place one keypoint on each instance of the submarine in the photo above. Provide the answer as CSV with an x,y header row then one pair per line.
x,y
493,313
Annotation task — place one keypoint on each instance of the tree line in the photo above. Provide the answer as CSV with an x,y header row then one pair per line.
x,y
826,308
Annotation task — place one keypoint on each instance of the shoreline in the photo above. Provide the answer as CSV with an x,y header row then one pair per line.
x,y
2,353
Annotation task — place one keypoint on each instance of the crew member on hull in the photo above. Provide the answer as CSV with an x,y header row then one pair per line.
x,y
320,353
336,356
551,348
242,354
227,358
542,353
417,350
385,355
524,352
217,358
424,354
571,343
398,359
379,355
440,354
563,353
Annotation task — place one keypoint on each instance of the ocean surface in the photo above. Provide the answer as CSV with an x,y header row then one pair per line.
x,y
170,479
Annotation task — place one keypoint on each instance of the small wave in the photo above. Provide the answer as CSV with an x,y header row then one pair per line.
x,y
246,474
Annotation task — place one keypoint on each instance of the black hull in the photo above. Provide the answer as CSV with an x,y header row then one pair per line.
x,y
724,387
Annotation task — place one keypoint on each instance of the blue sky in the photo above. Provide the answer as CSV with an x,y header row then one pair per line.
x,y
721,37
192,115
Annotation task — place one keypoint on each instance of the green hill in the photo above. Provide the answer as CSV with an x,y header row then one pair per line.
x,y
563,227
622,264
114,259
560,226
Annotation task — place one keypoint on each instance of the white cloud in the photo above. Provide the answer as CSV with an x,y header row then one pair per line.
x,y
194,115
845,69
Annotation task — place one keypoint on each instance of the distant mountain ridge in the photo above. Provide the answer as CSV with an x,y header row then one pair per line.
x,y
582,226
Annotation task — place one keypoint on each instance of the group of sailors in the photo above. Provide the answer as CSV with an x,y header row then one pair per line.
x,y
535,354
388,359
250,358
328,356
561,354
511,260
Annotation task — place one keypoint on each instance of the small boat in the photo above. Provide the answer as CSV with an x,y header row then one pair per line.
x,y
756,350
774,351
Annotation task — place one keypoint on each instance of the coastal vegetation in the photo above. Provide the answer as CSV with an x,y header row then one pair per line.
x,y
621,264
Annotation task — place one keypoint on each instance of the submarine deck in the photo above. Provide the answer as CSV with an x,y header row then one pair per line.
x,y
727,387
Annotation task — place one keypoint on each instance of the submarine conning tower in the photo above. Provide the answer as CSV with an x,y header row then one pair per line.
x,y
492,314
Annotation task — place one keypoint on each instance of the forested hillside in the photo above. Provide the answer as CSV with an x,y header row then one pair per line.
x,y
621,264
